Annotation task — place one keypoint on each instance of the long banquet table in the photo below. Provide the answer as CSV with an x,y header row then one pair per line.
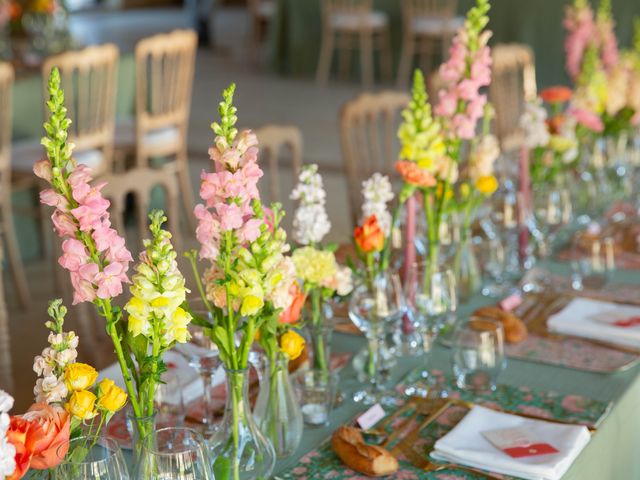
x,y
612,453
295,33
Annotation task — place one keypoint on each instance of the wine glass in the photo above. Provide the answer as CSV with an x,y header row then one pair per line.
x,y
169,401
178,453
91,458
376,306
431,297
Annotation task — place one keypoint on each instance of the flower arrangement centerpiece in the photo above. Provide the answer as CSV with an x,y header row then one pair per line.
x,y
248,284
7,450
433,143
316,266
68,404
97,260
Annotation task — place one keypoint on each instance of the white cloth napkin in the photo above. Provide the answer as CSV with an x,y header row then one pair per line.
x,y
190,382
594,319
465,445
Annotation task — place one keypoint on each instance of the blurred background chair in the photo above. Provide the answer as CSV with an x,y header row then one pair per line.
x,y
513,84
368,131
425,24
274,140
261,14
164,79
7,226
349,25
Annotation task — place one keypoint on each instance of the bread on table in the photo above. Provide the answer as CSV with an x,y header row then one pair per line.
x,y
515,331
371,460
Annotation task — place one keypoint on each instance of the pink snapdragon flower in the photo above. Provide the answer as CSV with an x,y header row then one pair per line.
x,y
581,31
587,119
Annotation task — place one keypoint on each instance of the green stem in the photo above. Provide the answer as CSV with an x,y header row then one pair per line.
x,y
194,267
319,359
237,409
155,353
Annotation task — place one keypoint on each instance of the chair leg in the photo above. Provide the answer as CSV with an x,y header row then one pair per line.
x,y
15,261
326,54
406,58
186,189
366,57
386,60
344,56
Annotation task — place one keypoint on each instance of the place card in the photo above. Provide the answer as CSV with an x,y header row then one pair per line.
x,y
518,443
372,416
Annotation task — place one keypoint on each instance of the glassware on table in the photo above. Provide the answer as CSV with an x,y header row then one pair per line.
x,y
178,453
277,410
141,430
317,390
505,218
478,354
376,307
91,458
592,258
431,297
169,402
495,266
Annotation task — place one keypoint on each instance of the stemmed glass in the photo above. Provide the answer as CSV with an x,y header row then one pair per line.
x,y
177,454
91,458
376,306
431,297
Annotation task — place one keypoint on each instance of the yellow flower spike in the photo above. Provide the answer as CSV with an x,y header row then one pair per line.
x,y
179,321
292,344
81,405
487,184
251,304
110,397
160,302
79,376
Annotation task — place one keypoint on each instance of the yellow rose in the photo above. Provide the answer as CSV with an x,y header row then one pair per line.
x,y
79,376
110,396
487,184
81,405
292,344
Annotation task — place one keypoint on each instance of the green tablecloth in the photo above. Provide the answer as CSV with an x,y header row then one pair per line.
x,y
28,117
611,454
294,37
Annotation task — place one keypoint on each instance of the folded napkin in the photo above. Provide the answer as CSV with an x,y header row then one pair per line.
x,y
465,445
190,382
597,320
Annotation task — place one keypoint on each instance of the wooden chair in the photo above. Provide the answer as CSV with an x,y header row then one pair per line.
x,y
368,131
7,226
424,24
89,80
164,78
354,25
140,182
513,84
6,373
273,139
261,13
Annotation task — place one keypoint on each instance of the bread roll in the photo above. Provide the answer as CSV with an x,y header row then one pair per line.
x,y
374,461
515,330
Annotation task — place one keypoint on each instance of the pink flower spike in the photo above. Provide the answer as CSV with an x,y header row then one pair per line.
x,y
42,169
63,224
250,231
230,216
53,199
109,281
587,119
83,290
75,255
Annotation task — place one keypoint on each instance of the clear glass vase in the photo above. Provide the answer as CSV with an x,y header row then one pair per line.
x,y
142,431
465,266
239,449
320,330
277,410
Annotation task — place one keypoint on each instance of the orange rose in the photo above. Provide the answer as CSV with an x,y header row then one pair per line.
x,y
292,314
37,435
559,94
413,174
369,237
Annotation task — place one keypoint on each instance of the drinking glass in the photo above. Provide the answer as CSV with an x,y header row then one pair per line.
x,y
316,391
91,458
169,402
592,258
376,306
178,453
478,354
431,298
494,260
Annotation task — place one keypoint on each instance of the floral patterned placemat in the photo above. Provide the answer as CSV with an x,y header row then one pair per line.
x,y
323,463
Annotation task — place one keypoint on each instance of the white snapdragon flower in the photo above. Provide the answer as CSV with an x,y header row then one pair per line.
x,y
310,221
377,192
533,123
7,450
341,282
50,389
483,157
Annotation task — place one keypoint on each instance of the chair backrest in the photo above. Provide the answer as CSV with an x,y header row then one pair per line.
x,y
429,8
368,131
140,182
513,84
330,7
164,79
6,92
6,373
273,139
89,80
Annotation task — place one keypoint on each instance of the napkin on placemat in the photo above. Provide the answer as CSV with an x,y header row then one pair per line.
x,y
466,445
598,320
